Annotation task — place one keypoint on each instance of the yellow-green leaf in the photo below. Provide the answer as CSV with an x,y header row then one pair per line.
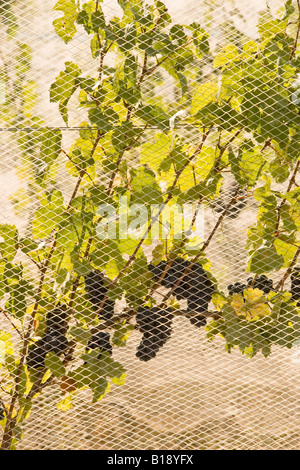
x,y
206,93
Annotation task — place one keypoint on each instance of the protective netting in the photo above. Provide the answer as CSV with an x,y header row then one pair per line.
x,y
86,355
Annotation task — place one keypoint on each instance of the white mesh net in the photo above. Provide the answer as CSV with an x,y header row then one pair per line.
x,y
137,342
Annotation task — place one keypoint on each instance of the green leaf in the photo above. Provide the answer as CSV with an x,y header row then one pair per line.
x,y
23,60
98,20
200,39
112,269
126,39
65,404
82,335
204,94
128,246
49,215
103,119
279,171
49,151
98,257
91,20
64,86
205,189
22,385
113,369
65,26
16,304
265,259
228,54
9,245
285,249
158,253
8,18
27,245
100,388
61,275
50,145
94,372
7,350
70,227
155,151
251,163
269,27
288,223
121,334
205,162
145,189
155,116
54,363
81,266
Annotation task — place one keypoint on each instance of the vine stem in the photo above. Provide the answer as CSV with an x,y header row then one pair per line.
x,y
10,321
171,260
114,173
297,34
291,182
126,315
215,315
155,219
7,435
204,246
289,270
222,150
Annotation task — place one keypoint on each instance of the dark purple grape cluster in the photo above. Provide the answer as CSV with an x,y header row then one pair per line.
x,y
295,285
36,356
261,282
54,339
100,340
236,288
94,285
195,286
156,326
96,290
57,319
198,321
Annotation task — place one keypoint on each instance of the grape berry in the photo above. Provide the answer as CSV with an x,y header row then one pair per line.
x,y
195,286
54,339
261,283
236,288
156,326
96,290
100,340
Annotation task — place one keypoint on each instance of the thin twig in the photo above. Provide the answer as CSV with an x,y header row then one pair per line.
x,y
129,147
171,260
11,322
297,33
203,248
7,436
290,185
155,219
289,270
